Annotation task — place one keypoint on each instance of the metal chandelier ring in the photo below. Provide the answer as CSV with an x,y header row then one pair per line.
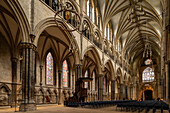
x,y
69,30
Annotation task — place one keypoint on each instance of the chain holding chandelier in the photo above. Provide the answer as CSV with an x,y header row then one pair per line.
x,y
136,11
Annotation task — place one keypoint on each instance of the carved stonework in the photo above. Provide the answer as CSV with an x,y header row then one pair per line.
x,y
28,76
28,45
32,36
3,97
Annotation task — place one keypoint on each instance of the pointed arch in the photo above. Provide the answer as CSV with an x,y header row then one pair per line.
x,y
109,64
49,22
119,74
21,18
3,85
96,56
89,23
41,90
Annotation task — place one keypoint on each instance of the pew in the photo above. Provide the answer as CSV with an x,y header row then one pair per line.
x,y
147,105
97,104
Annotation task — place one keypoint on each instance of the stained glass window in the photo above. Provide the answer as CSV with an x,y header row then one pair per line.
x,y
148,62
86,83
148,75
49,69
93,82
65,74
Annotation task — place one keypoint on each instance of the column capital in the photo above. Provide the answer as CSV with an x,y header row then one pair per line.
x,y
24,45
101,75
78,65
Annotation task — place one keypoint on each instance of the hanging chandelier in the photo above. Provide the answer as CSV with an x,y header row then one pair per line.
x,y
147,54
147,51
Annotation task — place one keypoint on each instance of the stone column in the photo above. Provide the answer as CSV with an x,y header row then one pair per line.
x,y
167,49
159,87
131,91
126,92
14,81
134,91
28,77
41,67
167,43
169,81
164,87
121,92
112,89
73,83
100,89
138,91
118,92
60,99
77,76
108,89
78,71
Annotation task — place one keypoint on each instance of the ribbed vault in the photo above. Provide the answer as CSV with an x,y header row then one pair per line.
x,y
134,34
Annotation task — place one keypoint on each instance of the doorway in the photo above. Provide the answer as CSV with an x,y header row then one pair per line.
x,y
148,95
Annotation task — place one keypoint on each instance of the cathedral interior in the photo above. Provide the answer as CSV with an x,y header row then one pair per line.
x,y
60,51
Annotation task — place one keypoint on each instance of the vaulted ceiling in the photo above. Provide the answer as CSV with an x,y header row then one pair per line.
x,y
133,21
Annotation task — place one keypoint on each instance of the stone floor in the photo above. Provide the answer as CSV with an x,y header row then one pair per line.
x,y
62,109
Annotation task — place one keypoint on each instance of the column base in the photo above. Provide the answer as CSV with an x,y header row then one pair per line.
x,y
27,107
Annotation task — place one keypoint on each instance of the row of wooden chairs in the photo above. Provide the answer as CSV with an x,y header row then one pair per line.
x,y
144,105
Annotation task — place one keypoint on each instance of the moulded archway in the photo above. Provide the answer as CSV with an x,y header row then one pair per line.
x,y
147,92
94,56
109,66
50,38
119,73
48,28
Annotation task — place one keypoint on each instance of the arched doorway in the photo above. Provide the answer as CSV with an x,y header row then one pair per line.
x,y
148,94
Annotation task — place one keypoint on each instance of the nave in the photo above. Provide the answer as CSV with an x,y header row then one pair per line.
x,y
69,51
